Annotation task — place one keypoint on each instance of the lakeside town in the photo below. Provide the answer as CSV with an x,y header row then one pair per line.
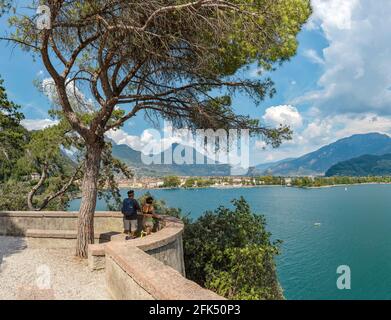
x,y
242,182
199,182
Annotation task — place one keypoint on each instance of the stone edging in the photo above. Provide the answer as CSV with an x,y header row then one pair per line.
x,y
57,214
158,280
134,271
173,228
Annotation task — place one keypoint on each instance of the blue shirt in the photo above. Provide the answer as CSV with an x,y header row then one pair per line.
x,y
130,208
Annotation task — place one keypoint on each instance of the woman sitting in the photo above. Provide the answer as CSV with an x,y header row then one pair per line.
x,y
148,211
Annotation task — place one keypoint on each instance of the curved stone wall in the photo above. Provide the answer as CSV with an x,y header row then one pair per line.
x,y
151,267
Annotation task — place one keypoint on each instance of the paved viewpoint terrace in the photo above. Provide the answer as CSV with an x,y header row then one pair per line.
x,y
46,273
37,260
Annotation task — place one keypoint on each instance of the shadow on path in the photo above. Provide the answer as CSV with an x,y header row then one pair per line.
x,y
10,245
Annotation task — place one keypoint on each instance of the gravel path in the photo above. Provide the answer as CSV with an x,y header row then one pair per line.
x,y
29,273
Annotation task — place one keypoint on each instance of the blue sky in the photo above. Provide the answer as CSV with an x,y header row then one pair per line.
x,y
338,84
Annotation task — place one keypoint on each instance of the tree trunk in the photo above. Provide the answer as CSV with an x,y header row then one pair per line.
x,y
40,183
85,232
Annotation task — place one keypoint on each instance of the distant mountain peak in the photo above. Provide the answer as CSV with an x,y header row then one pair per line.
x,y
319,161
133,159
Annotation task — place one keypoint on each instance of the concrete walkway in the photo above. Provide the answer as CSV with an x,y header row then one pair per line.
x,y
29,273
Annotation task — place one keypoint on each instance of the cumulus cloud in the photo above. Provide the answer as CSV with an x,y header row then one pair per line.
x,y
285,115
153,142
353,93
357,72
348,124
329,129
334,13
150,141
38,124
322,131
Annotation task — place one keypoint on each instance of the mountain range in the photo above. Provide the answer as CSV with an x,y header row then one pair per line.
x,y
367,165
314,163
319,161
133,159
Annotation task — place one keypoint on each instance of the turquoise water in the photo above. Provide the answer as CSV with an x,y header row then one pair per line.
x,y
355,231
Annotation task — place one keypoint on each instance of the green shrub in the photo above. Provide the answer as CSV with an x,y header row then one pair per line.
x,y
230,252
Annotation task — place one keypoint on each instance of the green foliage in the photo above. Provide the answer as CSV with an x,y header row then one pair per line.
x,y
46,168
161,207
269,180
304,181
230,252
307,182
164,58
190,183
245,41
12,135
5,5
111,168
23,155
367,165
171,182
45,147
222,38
248,274
13,195
42,153
199,182
196,182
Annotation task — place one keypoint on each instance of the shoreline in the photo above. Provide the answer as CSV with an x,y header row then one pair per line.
x,y
345,185
258,186
251,187
208,187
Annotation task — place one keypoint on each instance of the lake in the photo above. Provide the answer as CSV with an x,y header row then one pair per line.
x,y
355,231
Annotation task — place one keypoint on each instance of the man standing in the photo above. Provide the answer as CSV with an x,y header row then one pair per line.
x,y
130,207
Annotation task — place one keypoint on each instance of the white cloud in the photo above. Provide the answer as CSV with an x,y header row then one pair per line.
x,y
313,56
329,129
284,114
120,137
334,13
357,71
38,124
347,125
322,131
150,141
353,94
78,101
